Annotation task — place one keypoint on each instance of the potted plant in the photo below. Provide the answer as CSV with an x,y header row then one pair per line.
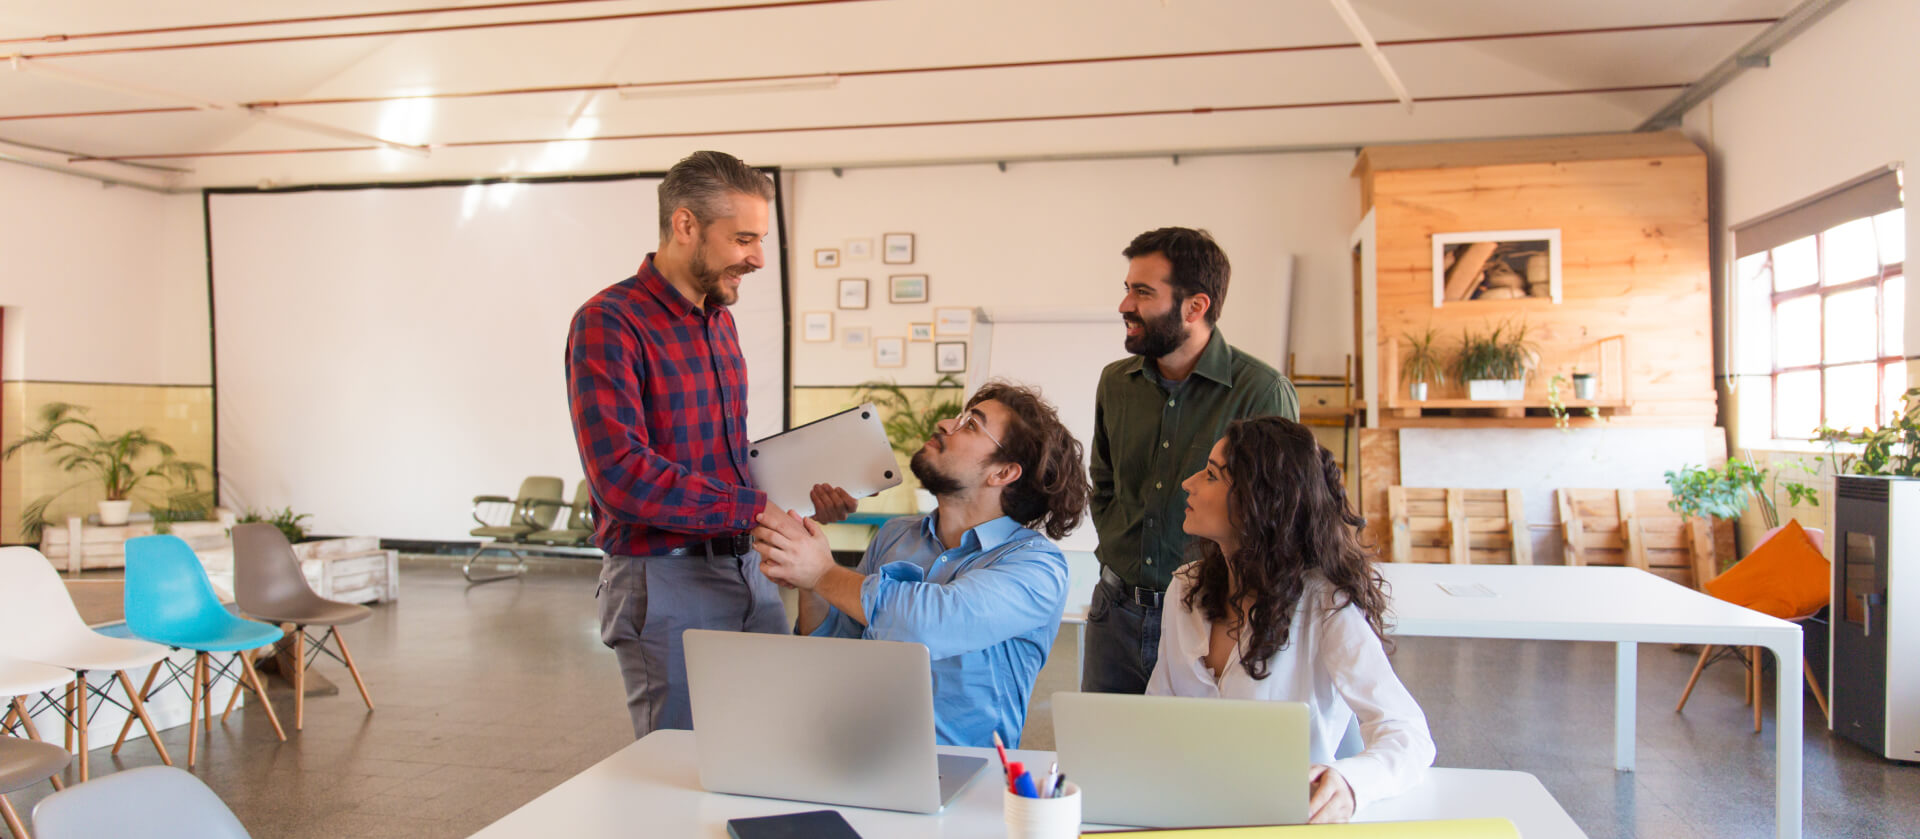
x,y
1494,364
1723,493
1422,366
114,461
911,422
1585,386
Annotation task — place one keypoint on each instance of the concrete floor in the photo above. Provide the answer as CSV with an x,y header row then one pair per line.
x,y
490,695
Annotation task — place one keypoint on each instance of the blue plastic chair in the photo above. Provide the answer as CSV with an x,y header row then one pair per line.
x,y
171,602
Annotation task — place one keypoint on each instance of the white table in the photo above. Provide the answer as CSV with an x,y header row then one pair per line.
x,y
652,788
1626,606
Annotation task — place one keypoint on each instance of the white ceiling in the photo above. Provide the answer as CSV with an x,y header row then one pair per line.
x,y
1023,112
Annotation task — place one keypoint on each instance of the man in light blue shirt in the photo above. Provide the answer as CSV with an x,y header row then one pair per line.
x,y
978,581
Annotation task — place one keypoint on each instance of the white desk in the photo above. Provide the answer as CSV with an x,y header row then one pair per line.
x,y
652,788
1626,606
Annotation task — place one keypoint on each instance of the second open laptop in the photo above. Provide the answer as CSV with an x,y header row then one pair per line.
x,y
828,720
1163,761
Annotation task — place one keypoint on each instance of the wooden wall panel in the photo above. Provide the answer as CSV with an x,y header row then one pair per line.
x,y
1634,258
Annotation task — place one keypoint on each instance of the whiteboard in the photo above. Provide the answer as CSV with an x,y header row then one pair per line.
x,y
383,355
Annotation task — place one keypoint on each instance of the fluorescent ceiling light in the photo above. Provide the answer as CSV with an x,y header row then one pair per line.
x,y
777,84
336,131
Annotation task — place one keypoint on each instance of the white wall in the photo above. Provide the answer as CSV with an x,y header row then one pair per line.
x,y
104,285
1050,235
1836,103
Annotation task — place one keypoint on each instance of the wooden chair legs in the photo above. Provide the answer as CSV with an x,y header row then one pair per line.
x,y
352,668
19,709
145,687
11,818
1705,653
1752,688
1753,673
1818,697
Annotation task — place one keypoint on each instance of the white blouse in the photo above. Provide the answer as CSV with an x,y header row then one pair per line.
x,y
1334,663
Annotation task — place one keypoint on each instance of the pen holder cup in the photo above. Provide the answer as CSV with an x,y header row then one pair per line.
x,y
1044,818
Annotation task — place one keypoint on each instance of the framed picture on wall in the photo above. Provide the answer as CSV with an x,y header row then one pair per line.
x,y
952,321
920,333
826,257
950,357
890,352
853,293
1496,265
817,327
907,288
859,250
856,337
896,249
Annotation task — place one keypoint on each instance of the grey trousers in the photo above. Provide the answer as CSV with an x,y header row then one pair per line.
x,y
646,602
1123,642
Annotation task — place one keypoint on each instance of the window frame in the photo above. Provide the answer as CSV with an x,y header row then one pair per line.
x,y
1820,289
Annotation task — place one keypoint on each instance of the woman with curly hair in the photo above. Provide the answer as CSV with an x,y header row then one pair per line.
x,y
1282,602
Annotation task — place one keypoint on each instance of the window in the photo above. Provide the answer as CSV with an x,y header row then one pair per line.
x,y
1821,317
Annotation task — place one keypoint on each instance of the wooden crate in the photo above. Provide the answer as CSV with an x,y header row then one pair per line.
x,y
105,547
352,569
1460,526
1635,528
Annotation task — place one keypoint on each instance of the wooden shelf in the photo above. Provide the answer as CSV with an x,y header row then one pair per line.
x,y
1499,409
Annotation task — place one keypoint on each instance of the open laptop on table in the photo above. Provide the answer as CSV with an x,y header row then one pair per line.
x,y
1163,761
828,720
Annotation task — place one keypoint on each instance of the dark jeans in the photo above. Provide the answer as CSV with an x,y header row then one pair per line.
x,y
646,602
1123,642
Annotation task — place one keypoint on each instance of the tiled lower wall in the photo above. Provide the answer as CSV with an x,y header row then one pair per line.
x,y
182,416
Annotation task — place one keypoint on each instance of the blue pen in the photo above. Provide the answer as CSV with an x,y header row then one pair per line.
x,y
1023,786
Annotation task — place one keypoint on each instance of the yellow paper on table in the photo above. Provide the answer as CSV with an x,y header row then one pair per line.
x,y
1440,829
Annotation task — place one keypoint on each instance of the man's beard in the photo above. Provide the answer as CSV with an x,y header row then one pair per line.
x,y
931,478
1158,336
712,283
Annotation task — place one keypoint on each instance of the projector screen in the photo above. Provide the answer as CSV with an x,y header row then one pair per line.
x,y
384,354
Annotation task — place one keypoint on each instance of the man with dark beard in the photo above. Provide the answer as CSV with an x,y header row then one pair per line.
x,y
975,580
1156,416
658,390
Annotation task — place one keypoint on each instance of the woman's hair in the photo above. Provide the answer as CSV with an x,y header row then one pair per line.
x,y
1051,493
1287,504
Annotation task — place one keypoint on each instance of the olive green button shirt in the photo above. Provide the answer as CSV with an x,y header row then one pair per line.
x,y
1147,439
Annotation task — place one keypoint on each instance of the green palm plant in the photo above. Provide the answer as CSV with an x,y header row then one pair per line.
x,y
910,422
111,461
1422,363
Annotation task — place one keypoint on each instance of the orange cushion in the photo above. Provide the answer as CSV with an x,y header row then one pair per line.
x,y
1785,577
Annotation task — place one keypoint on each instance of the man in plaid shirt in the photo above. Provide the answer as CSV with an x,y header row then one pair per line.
x,y
658,390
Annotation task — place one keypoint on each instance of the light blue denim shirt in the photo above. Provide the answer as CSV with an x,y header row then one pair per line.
x,y
987,612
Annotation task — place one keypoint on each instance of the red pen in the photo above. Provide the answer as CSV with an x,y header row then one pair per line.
x,y
1005,768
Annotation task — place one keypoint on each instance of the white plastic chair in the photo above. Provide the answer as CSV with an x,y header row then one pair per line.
x,y
38,623
151,802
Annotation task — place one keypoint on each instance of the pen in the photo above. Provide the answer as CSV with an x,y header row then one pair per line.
x,y
1006,771
1053,772
1015,771
1023,786
1060,786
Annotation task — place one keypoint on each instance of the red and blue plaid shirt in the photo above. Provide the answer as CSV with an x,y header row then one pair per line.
x,y
658,390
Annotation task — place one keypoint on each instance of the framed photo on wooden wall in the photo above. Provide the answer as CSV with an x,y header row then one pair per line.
x,y
1496,265
890,352
950,357
853,293
907,288
896,248
817,327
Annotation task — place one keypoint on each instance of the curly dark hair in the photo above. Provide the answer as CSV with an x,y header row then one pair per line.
x,y
1199,265
1051,493
1288,505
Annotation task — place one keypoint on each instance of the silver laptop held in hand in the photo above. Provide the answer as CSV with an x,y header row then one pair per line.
x,y
1164,761
828,720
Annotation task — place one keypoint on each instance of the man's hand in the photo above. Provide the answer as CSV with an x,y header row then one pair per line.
x,y
1329,796
793,550
831,504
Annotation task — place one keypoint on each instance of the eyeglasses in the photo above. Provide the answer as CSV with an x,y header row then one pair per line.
x,y
966,419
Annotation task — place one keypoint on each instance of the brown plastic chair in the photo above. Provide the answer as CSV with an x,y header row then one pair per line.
x,y
269,586
24,763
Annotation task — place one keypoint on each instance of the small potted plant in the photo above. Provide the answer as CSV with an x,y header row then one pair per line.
x,y
1723,493
1422,366
1585,386
1494,364
911,422
116,462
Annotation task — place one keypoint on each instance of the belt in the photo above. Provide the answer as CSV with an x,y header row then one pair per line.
x,y
1150,598
732,544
